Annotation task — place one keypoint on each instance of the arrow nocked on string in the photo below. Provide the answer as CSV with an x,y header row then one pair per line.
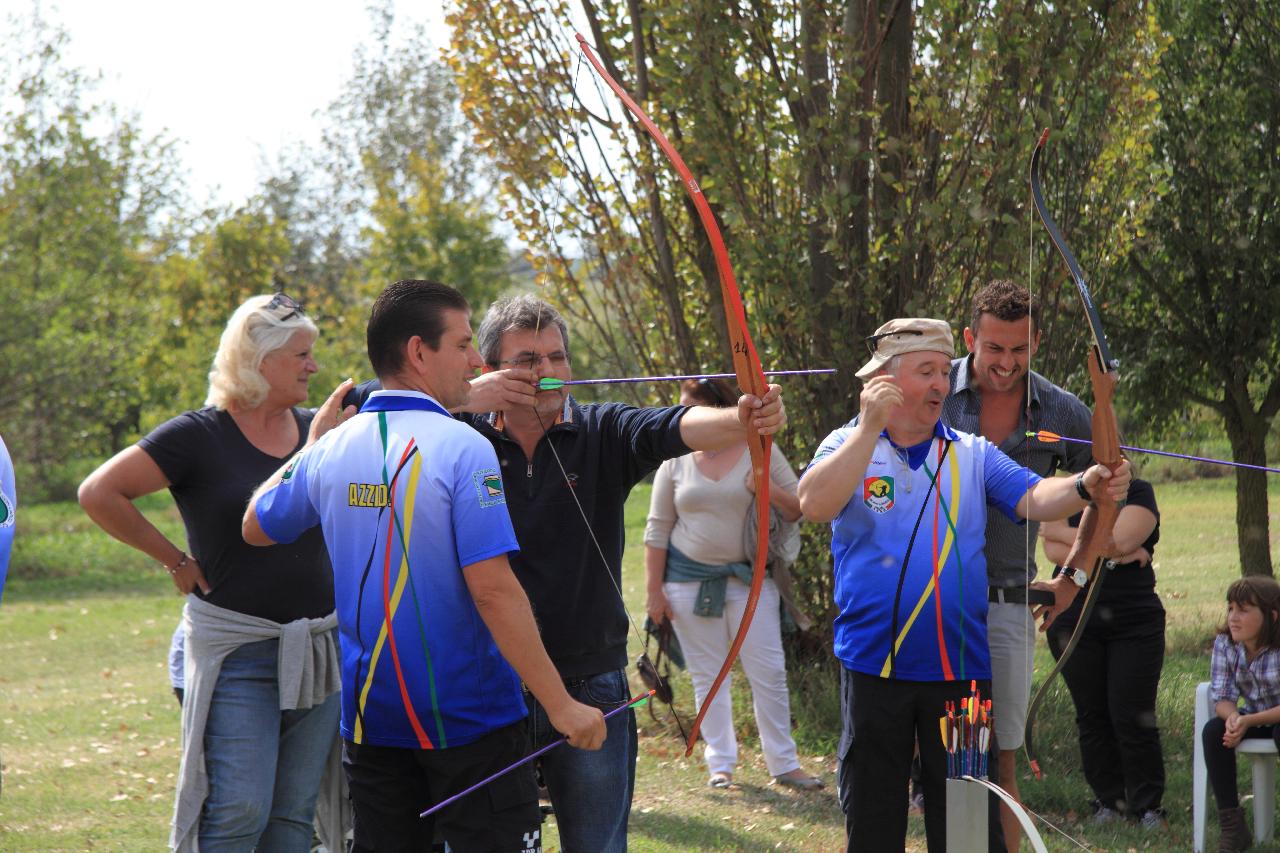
x,y
1050,437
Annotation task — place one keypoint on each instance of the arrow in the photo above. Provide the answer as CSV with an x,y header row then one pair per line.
x,y
548,383
1050,437
477,786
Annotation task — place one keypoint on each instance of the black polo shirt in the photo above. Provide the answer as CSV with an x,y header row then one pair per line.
x,y
605,449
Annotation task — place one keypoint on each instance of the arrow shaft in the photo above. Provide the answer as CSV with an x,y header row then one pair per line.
x,y
679,378
1208,459
530,757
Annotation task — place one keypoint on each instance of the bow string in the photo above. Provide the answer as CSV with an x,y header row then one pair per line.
x,y
1094,537
746,365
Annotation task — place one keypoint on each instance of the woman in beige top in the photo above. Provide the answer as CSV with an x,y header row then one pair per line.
x,y
695,558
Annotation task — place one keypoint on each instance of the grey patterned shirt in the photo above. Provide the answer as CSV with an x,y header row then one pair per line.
x,y
1008,562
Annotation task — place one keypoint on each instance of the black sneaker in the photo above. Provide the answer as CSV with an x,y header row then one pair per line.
x,y
1103,814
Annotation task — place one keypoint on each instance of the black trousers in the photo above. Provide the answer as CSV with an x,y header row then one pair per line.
x,y
882,721
1113,676
390,786
1220,761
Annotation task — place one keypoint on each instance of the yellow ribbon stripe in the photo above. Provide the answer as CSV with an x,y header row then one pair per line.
x,y
942,564
402,578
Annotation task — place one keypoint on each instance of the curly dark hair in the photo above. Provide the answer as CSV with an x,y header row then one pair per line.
x,y
1006,301
1263,593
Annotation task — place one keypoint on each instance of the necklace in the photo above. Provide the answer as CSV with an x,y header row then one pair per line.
x,y
901,458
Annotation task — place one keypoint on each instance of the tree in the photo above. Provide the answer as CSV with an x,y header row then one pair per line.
x,y
864,160
424,231
85,214
1206,270
395,190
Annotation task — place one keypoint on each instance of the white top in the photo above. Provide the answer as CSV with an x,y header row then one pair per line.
x,y
704,518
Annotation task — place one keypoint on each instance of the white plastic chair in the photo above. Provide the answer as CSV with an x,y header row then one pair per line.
x,y
1262,754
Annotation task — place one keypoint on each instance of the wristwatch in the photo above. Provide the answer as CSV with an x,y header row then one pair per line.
x,y
1077,576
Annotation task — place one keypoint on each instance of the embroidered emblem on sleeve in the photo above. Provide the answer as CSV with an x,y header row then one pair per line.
x,y
6,511
293,463
489,488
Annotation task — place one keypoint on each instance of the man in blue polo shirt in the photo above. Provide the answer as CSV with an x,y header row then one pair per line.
x,y
907,498
432,621
8,508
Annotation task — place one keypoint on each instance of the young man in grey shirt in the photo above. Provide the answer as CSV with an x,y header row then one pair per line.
x,y
992,397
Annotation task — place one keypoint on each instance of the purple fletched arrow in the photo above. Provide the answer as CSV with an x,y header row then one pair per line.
x,y
477,786
549,383
1050,437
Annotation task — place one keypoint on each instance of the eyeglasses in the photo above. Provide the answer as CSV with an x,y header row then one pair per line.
x,y
283,300
531,360
873,342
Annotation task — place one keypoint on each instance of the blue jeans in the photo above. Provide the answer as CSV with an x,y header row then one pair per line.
x,y
264,764
591,791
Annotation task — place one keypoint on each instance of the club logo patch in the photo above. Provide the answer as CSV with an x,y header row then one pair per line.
x,y
6,511
293,463
489,488
877,493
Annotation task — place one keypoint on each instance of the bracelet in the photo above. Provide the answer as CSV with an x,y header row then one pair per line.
x,y
1081,490
174,568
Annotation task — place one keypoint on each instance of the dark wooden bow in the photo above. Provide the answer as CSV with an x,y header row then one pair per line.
x,y
1094,538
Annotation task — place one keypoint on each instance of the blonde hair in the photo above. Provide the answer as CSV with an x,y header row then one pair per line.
x,y
253,332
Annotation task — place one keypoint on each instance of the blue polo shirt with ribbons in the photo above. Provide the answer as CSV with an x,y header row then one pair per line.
x,y
938,618
406,497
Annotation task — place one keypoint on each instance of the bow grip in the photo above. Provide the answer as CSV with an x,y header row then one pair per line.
x,y
1094,540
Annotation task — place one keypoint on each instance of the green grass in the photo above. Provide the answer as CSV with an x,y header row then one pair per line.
x,y
60,553
89,729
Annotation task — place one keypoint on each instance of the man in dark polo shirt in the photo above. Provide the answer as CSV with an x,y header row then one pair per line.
x,y
992,397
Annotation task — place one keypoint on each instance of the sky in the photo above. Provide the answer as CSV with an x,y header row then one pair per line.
x,y
233,82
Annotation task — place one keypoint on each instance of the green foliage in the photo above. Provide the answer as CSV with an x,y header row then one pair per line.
x,y
85,217
396,189
118,295
864,161
1205,269
420,232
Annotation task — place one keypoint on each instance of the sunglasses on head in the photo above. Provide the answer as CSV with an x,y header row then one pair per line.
x,y
711,388
283,300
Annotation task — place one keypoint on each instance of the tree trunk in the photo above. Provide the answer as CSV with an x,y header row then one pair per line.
x,y
893,80
1248,445
816,101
